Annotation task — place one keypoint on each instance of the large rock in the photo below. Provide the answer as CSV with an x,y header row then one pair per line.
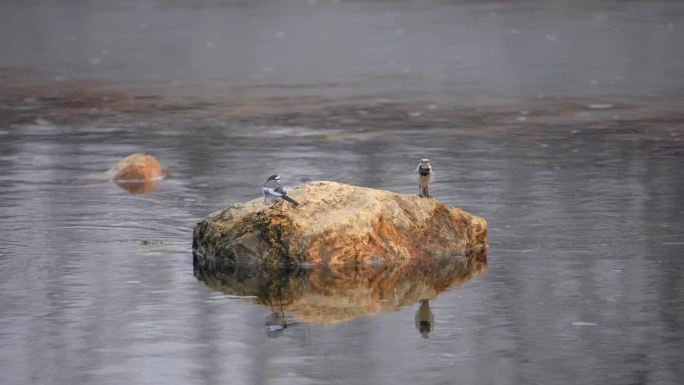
x,y
336,223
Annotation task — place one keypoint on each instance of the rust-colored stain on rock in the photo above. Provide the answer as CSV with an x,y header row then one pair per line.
x,y
335,224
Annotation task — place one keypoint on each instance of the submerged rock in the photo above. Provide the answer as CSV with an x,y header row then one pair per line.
x,y
139,174
336,223
137,168
329,294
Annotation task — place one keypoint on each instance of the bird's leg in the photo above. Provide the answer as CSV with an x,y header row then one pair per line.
x,y
420,190
275,204
427,192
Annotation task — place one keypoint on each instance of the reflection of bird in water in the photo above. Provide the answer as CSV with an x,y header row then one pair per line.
x,y
425,176
425,320
276,323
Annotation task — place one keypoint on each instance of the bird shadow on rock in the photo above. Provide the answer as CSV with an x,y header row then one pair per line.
x,y
330,294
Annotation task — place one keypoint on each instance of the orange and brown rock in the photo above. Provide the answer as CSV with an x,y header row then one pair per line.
x,y
336,223
137,168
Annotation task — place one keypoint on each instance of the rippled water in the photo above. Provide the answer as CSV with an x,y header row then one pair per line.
x,y
582,191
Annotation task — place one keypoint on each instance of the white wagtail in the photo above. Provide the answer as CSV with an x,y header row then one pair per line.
x,y
425,176
275,192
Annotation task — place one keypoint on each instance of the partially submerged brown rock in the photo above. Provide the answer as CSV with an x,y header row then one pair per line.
x,y
137,168
139,174
336,223
328,294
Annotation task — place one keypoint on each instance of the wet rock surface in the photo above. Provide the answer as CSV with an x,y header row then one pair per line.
x,y
137,168
336,223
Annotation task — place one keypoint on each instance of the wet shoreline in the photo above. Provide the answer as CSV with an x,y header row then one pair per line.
x,y
357,118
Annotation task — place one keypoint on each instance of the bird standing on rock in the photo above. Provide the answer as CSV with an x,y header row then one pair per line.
x,y
275,192
425,176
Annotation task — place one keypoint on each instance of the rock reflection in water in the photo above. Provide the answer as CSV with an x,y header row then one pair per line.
x,y
134,187
333,294
139,187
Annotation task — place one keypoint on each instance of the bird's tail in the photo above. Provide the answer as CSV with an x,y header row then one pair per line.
x,y
287,198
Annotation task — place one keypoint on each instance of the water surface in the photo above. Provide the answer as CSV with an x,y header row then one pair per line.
x,y
558,123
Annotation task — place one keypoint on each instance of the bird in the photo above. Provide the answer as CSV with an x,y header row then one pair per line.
x,y
275,192
425,176
425,320
276,324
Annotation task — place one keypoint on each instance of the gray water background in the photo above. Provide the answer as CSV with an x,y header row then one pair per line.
x,y
586,237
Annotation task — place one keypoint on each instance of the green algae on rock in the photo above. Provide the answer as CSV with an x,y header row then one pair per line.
x,y
336,223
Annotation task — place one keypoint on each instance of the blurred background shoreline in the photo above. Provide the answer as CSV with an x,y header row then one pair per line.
x,y
446,52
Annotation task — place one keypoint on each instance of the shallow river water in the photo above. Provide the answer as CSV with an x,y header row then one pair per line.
x,y
560,124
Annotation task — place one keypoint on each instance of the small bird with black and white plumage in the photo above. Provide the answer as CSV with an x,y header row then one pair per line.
x,y
425,176
274,192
